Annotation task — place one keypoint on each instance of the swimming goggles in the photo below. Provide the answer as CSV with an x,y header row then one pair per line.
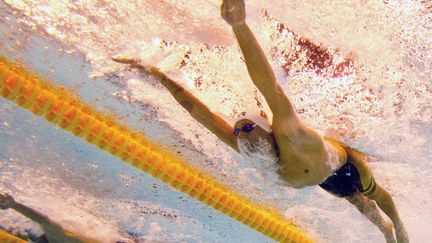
x,y
246,128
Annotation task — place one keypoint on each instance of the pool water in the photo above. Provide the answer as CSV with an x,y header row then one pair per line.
x,y
360,69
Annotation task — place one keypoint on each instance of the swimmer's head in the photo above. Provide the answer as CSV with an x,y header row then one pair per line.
x,y
254,136
258,117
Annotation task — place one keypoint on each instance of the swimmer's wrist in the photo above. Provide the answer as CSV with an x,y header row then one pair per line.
x,y
238,24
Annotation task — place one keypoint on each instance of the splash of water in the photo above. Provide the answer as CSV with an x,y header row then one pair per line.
x,y
362,68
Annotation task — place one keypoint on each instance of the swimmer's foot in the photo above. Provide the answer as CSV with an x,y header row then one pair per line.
x,y
6,201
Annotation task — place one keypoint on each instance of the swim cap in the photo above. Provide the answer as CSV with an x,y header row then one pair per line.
x,y
258,116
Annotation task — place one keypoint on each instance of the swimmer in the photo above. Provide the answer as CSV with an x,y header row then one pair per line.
x,y
302,156
53,232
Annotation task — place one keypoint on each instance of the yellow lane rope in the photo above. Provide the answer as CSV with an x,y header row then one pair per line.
x,y
5,237
68,112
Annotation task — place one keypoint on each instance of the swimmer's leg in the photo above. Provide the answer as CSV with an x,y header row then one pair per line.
x,y
386,204
368,208
378,194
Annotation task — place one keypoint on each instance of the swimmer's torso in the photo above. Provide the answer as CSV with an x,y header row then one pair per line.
x,y
305,159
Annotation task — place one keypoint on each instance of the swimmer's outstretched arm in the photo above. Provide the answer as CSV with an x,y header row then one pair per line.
x,y
195,107
260,71
54,232
7,201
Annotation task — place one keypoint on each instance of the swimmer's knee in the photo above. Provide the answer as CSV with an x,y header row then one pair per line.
x,y
353,198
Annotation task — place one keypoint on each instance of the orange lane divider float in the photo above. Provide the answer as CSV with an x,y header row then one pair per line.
x,y
5,237
68,112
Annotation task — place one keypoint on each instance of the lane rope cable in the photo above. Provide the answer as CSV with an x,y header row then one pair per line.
x,y
65,110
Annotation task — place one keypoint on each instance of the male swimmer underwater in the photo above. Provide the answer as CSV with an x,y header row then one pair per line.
x,y
304,158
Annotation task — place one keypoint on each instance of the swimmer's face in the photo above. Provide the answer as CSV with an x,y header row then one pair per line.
x,y
254,141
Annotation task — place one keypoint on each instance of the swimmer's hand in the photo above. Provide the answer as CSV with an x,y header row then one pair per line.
x,y
233,12
132,59
149,58
136,62
6,201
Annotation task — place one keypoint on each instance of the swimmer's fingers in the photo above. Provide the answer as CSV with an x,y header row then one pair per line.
x,y
133,60
6,201
126,58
